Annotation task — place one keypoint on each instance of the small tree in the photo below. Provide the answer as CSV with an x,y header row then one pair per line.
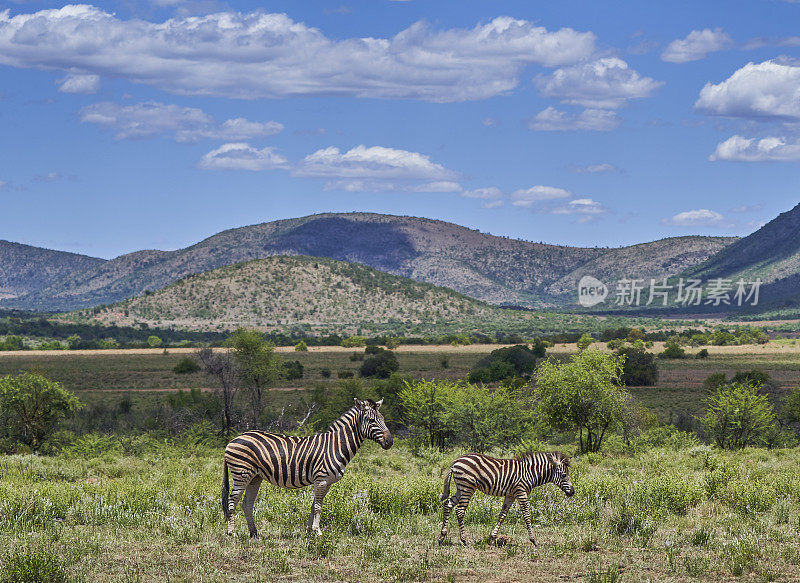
x,y
32,405
186,365
381,364
301,346
639,368
431,410
223,367
584,342
738,416
583,393
672,349
153,341
258,366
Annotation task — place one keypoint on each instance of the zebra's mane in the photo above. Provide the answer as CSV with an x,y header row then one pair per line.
x,y
347,416
526,455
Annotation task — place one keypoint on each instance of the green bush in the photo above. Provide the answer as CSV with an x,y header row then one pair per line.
x,y
31,407
639,368
672,349
703,353
292,369
301,347
738,416
381,364
186,365
506,362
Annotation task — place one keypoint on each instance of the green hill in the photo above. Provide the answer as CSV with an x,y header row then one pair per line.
x,y
277,293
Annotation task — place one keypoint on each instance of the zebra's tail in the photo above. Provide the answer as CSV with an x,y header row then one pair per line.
x,y
446,494
225,490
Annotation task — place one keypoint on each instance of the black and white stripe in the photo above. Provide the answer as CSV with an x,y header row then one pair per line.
x,y
512,478
295,462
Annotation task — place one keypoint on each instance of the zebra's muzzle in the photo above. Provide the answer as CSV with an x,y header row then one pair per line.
x,y
388,440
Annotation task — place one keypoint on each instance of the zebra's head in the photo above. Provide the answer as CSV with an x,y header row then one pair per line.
x,y
560,464
372,423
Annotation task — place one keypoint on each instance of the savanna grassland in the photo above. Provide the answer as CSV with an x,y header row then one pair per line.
x,y
138,510
115,504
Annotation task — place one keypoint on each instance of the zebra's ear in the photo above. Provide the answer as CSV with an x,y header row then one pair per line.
x,y
358,403
378,404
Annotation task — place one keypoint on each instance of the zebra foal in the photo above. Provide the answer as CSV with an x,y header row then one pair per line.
x,y
512,478
295,462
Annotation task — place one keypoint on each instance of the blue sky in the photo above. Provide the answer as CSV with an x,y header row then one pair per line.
x,y
134,125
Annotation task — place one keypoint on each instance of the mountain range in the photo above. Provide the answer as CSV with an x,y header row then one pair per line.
x,y
497,270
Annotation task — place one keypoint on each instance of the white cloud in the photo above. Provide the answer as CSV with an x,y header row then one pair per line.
x,y
580,206
489,193
592,120
241,156
536,194
594,168
695,218
375,162
697,45
747,208
768,90
262,55
85,84
489,122
770,149
186,124
491,204
605,83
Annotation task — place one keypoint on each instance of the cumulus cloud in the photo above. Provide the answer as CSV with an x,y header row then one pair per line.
x,y
374,162
530,196
85,84
605,83
763,91
770,149
590,120
489,193
695,218
594,168
185,124
263,55
697,45
580,206
242,156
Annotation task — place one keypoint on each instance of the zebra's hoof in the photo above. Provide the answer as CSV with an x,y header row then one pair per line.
x,y
498,541
533,541
254,534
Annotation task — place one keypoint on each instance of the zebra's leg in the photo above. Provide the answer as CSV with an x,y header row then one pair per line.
x,y
525,507
248,502
447,506
321,488
240,482
509,500
461,510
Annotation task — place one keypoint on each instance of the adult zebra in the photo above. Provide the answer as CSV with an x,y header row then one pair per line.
x,y
296,462
512,478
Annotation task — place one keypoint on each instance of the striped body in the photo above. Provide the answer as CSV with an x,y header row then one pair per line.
x,y
295,462
511,478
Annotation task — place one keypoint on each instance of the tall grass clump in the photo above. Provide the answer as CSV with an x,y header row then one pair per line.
x,y
32,565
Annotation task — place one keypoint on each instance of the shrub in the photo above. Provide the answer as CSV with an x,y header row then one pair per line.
x,y
154,341
325,372
584,342
738,416
505,363
672,349
301,347
583,393
186,365
703,353
354,342
31,406
639,368
714,381
755,377
380,365
292,369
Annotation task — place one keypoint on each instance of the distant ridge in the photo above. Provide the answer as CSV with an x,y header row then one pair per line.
x,y
494,269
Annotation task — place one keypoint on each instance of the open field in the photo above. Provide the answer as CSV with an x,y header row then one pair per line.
x,y
141,511
678,390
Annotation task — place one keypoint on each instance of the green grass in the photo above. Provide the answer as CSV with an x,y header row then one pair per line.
x,y
635,517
